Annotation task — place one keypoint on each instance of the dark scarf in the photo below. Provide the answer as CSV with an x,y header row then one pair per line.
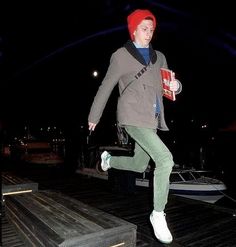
x,y
129,45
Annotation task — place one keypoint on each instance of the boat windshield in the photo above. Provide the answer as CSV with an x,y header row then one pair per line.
x,y
189,175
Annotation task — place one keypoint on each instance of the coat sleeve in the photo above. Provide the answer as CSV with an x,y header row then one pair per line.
x,y
104,91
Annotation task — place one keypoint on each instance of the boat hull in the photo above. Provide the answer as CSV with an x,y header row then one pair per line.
x,y
203,192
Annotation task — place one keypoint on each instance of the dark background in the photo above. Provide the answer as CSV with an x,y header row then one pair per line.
x,y
49,50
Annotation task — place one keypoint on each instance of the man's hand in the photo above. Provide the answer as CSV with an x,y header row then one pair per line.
x,y
174,85
91,126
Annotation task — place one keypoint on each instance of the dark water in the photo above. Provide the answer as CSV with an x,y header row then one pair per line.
x,y
229,200
225,157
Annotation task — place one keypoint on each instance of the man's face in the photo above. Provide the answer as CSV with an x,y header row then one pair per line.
x,y
143,33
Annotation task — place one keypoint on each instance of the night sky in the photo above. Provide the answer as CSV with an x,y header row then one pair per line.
x,y
48,53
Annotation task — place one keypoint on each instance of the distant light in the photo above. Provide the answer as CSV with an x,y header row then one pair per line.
x,y
95,73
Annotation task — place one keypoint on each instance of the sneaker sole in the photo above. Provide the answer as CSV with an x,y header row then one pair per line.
x,y
99,168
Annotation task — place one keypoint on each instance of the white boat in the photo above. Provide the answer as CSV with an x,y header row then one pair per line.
x,y
192,183
196,184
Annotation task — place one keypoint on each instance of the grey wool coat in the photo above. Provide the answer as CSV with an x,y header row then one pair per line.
x,y
139,86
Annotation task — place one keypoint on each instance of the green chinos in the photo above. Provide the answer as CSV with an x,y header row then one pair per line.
x,y
148,145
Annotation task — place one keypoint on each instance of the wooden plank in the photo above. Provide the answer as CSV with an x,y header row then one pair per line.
x,y
9,236
215,226
12,184
52,219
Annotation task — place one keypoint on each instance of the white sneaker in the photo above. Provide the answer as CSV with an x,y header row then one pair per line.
x,y
160,227
105,157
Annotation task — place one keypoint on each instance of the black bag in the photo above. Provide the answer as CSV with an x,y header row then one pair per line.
x,y
122,135
125,141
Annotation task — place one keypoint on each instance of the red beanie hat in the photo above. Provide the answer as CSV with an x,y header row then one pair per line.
x,y
136,17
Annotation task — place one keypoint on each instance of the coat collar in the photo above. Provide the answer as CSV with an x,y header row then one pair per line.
x,y
130,47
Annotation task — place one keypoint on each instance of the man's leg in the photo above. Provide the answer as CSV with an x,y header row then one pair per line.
x,y
136,163
153,146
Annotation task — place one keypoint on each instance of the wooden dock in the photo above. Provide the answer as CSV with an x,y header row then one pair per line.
x,y
192,223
